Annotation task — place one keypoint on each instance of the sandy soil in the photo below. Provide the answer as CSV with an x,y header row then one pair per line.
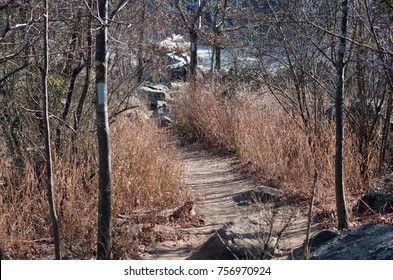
x,y
214,180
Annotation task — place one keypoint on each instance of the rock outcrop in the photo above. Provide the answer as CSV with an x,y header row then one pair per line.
x,y
366,242
261,194
163,115
153,93
176,59
375,201
241,239
157,98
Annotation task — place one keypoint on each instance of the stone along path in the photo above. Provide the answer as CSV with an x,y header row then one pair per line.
x,y
214,181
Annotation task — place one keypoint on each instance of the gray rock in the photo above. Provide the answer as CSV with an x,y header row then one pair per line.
x,y
177,66
261,194
153,93
322,237
163,115
175,42
179,73
376,201
177,60
316,241
366,242
241,239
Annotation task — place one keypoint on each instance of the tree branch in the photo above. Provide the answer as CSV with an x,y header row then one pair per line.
x,y
199,11
13,72
119,7
5,6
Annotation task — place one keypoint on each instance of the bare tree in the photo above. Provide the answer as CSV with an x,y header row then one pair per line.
x,y
17,36
303,56
217,11
104,242
191,23
342,213
48,153
142,31
88,63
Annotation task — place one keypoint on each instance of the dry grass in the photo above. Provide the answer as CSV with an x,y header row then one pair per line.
x,y
147,178
270,142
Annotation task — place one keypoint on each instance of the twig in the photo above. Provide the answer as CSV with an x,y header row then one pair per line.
x,y
306,252
40,240
226,245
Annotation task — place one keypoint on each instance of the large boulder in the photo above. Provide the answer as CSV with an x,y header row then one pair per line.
x,y
261,194
322,237
163,115
241,239
175,42
175,58
375,201
366,242
316,241
152,93
177,66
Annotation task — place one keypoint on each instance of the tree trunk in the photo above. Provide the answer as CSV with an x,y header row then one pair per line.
x,y
342,212
219,36
88,62
77,70
104,242
217,66
141,70
212,60
192,25
86,84
48,153
194,54
385,134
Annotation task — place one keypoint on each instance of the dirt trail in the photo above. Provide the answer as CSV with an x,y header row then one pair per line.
x,y
214,181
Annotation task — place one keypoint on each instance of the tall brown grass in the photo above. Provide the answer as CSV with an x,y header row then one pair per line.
x,y
270,142
147,178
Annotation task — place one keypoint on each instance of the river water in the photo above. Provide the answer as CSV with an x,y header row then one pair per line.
x,y
228,58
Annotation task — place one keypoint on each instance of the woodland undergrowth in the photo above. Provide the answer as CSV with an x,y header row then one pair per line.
x,y
147,178
271,143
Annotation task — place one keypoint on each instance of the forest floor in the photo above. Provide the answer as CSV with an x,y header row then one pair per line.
x,y
214,179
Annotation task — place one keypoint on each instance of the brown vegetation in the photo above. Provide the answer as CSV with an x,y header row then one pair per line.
x,y
147,178
272,143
